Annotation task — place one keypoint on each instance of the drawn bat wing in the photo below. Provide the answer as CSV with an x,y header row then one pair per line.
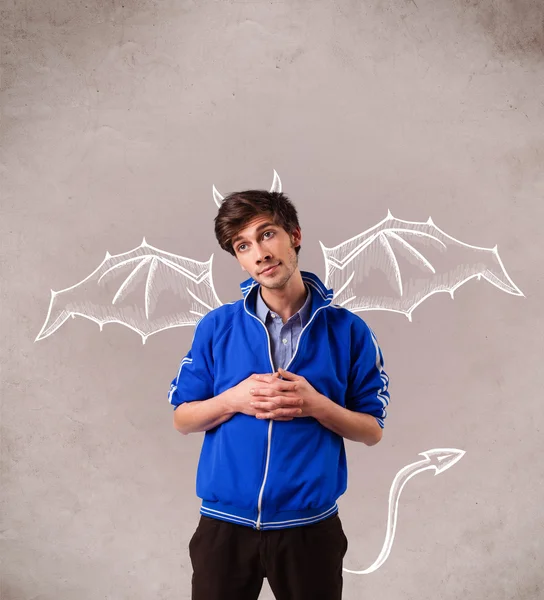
x,y
397,264
145,289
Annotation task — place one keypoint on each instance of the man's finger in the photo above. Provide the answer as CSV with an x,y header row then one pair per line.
x,y
287,374
266,406
285,404
277,403
280,412
279,384
288,400
278,400
271,392
282,384
263,392
267,377
270,376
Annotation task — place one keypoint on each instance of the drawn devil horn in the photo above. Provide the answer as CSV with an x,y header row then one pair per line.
x,y
276,187
276,184
217,198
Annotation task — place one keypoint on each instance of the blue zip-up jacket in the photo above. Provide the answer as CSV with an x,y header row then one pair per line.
x,y
270,474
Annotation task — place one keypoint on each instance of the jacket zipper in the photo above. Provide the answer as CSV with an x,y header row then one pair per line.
x,y
261,491
260,500
270,423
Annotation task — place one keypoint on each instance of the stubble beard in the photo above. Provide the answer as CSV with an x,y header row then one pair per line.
x,y
291,265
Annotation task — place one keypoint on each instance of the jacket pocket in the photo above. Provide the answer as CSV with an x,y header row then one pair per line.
x,y
307,466
232,462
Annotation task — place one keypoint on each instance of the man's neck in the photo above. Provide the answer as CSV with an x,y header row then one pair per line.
x,y
288,300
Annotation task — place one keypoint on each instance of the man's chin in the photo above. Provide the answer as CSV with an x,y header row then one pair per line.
x,y
273,283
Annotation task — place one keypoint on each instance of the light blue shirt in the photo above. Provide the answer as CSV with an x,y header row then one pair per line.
x,y
283,337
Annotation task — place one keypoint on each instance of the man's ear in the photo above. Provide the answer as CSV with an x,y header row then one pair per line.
x,y
297,236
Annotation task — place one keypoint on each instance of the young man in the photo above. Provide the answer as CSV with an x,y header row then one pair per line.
x,y
276,380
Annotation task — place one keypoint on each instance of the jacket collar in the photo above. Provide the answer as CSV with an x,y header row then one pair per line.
x,y
262,310
321,296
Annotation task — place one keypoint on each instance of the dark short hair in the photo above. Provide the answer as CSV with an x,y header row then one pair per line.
x,y
240,208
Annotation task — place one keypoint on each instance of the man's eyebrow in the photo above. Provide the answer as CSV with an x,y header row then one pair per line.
x,y
263,226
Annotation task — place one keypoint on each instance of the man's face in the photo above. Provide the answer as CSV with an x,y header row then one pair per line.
x,y
261,245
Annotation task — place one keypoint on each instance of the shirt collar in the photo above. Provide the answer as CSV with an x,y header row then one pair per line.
x,y
262,309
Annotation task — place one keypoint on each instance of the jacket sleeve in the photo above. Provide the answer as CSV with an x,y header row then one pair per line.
x,y
368,382
194,380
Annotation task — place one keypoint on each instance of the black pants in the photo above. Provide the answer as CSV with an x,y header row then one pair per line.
x,y
231,561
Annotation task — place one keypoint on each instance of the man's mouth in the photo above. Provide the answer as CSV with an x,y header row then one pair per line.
x,y
269,270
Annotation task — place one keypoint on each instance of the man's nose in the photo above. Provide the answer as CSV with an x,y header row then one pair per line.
x,y
261,254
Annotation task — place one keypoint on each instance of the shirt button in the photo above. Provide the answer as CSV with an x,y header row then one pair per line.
x,y
273,315
284,340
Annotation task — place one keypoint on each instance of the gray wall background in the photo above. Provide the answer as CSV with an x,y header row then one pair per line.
x,y
117,117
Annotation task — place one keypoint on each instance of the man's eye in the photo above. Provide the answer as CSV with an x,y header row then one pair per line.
x,y
268,232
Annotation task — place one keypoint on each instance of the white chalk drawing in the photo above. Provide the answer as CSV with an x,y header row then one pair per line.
x,y
393,266
439,459
276,187
432,262
107,294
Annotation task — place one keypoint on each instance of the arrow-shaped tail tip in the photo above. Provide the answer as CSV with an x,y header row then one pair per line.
x,y
443,458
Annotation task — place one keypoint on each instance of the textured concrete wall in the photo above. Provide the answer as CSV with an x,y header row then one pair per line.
x,y
117,118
